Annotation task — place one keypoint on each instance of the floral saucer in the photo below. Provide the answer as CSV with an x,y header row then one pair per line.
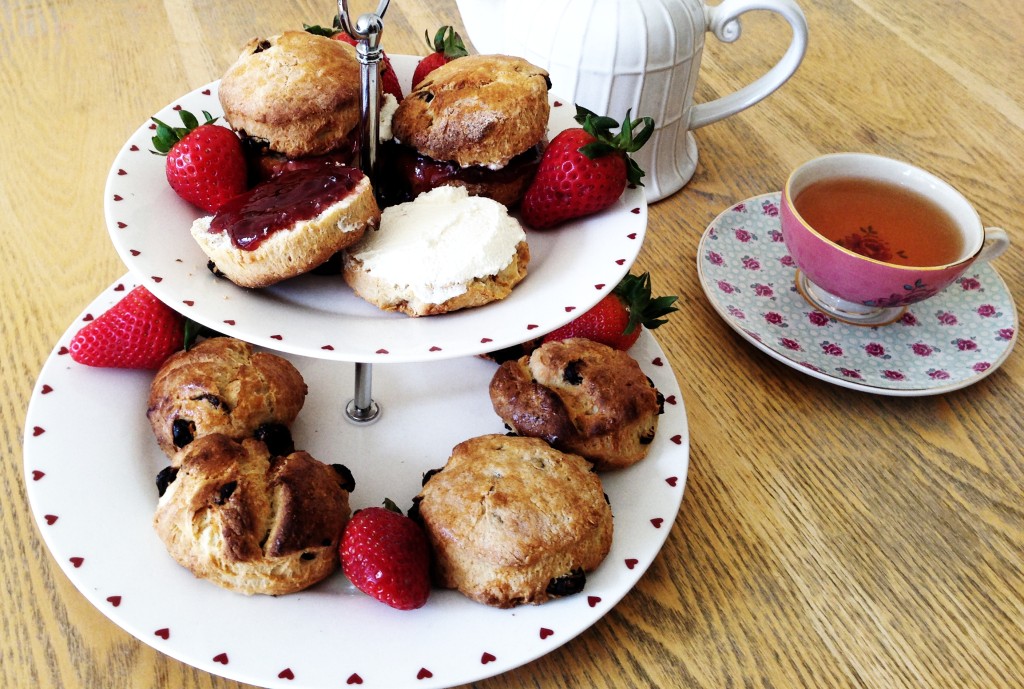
x,y
952,340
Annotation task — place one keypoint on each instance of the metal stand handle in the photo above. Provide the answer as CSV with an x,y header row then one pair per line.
x,y
367,32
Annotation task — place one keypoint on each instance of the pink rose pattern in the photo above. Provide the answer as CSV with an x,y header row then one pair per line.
x,y
953,338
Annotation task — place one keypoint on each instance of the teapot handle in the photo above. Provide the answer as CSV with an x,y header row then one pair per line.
x,y
722,20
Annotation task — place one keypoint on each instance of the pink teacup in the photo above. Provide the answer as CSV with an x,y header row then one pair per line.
x,y
855,287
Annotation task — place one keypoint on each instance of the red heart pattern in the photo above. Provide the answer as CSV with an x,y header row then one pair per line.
x,y
37,431
355,678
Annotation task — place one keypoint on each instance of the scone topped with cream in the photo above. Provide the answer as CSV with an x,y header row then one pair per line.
x,y
443,252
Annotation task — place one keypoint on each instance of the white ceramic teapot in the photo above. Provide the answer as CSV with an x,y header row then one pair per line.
x,y
642,56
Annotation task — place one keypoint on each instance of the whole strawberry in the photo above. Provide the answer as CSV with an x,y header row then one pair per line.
x,y
139,331
616,319
205,162
584,169
447,46
388,78
385,555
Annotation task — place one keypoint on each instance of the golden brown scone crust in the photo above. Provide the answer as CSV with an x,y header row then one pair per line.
x,y
250,522
480,291
507,515
296,250
583,397
297,91
476,110
221,385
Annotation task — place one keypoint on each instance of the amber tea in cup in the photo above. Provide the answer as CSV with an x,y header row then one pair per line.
x,y
871,235
882,221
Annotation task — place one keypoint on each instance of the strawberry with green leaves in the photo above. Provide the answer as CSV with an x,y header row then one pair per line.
x,y
205,162
447,46
139,332
616,320
385,554
585,169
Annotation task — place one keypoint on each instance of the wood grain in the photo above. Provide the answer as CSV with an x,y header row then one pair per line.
x,y
827,538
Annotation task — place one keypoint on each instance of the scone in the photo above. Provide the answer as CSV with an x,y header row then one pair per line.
x,y
289,225
296,92
583,397
443,252
512,521
478,121
249,522
222,385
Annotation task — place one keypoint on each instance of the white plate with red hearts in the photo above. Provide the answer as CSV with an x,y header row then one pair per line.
x,y
90,463
571,268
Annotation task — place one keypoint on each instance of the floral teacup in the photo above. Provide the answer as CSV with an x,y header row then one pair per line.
x,y
855,287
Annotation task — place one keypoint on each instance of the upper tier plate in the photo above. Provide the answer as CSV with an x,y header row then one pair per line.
x,y
571,268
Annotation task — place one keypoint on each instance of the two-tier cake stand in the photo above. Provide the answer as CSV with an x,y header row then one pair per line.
x,y
91,459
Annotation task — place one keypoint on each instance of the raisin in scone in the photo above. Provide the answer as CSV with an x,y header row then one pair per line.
x,y
513,521
250,522
583,397
223,385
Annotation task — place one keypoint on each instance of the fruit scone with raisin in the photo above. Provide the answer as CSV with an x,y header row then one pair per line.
x,y
582,397
251,521
442,252
223,385
479,122
298,95
513,521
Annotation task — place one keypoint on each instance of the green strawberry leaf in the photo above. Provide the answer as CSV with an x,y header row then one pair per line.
x,y
318,30
166,135
447,41
194,330
633,134
635,292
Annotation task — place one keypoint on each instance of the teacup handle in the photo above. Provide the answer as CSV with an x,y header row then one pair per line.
x,y
996,242
722,20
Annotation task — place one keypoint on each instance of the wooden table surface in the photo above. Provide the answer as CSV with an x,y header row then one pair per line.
x,y
827,537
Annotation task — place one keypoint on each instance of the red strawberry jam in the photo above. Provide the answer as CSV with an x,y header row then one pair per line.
x,y
407,173
279,203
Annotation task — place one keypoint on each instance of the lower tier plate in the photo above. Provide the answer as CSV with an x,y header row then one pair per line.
x,y
90,463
